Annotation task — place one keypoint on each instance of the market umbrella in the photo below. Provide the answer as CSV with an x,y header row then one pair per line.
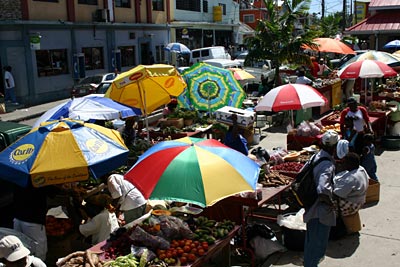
x,y
89,108
62,151
193,170
330,45
366,69
210,88
241,74
392,44
291,97
177,48
147,87
381,56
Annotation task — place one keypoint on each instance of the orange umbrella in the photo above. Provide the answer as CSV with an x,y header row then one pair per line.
x,y
241,74
330,45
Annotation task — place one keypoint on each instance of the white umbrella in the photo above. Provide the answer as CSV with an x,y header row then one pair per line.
x,y
291,97
91,107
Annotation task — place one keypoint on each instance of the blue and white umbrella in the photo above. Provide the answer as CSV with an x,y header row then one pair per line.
x,y
89,108
392,44
177,48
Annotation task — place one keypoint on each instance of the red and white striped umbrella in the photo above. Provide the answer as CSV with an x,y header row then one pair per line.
x,y
291,97
366,69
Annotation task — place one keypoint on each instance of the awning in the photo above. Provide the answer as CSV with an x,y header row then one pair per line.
x,y
244,32
382,22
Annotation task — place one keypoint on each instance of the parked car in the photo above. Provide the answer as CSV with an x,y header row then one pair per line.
x,y
201,54
103,87
89,84
338,62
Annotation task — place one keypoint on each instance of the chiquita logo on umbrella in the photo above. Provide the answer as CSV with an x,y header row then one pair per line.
x,y
22,153
97,146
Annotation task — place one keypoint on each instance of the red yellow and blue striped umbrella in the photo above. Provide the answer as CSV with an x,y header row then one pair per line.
x,y
210,88
62,151
193,170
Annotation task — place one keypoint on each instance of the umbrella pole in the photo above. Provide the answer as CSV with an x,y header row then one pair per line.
x,y
146,119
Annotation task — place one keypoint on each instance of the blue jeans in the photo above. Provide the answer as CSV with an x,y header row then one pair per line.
x,y
9,94
316,242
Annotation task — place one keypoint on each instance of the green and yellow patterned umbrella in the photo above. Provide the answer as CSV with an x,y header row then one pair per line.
x,y
210,88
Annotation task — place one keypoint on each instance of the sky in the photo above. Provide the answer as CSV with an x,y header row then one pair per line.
x,y
331,6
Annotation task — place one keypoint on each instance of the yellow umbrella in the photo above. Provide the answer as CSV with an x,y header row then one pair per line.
x,y
147,87
241,74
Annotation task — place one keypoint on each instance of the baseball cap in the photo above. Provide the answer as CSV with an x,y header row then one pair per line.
x,y
351,100
330,138
12,249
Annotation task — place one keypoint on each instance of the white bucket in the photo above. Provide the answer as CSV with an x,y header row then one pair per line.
x,y
256,139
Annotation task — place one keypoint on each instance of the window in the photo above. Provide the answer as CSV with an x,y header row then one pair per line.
x,y
223,8
127,56
192,5
87,2
249,18
205,6
123,3
158,5
93,58
160,54
51,62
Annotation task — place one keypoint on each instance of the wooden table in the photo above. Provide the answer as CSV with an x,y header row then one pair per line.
x,y
218,254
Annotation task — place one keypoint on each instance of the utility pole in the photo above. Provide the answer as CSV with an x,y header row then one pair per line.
x,y
344,15
322,9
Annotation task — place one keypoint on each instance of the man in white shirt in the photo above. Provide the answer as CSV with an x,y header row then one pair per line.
x,y
131,201
302,79
9,83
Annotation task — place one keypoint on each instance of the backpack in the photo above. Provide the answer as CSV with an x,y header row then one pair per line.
x,y
304,188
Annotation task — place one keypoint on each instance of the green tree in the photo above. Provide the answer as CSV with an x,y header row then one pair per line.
x,y
329,26
281,35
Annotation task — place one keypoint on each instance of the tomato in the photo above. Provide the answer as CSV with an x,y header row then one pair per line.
x,y
191,257
162,256
187,248
193,251
181,243
193,245
205,246
201,252
180,251
197,243
183,260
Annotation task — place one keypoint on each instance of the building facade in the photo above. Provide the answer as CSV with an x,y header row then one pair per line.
x,y
52,44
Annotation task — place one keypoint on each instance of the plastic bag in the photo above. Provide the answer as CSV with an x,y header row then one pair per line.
x,y
292,220
138,252
148,240
264,247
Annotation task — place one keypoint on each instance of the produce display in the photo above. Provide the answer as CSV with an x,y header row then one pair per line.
x,y
163,240
273,179
81,258
335,127
57,226
288,167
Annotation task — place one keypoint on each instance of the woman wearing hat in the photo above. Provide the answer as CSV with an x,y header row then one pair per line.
x,y
361,123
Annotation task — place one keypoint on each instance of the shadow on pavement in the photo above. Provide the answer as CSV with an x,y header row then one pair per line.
x,y
343,248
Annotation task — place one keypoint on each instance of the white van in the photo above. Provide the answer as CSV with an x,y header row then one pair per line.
x,y
212,52
223,63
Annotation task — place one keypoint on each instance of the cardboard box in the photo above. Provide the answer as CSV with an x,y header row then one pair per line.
x,y
372,192
352,222
245,118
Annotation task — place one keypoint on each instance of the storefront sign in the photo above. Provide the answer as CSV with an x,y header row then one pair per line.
x,y
35,41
